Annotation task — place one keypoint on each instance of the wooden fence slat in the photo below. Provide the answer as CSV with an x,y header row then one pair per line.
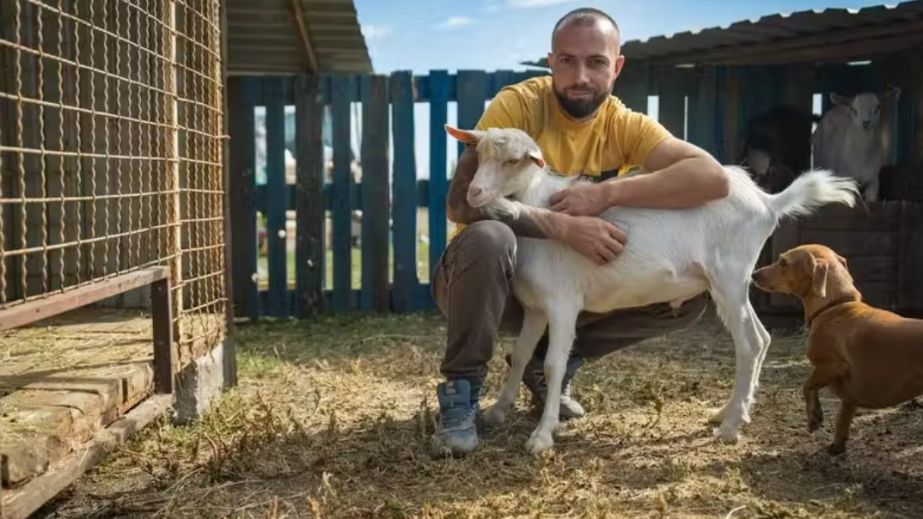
x,y
702,110
276,191
241,94
438,181
472,93
342,87
375,201
404,212
309,200
672,110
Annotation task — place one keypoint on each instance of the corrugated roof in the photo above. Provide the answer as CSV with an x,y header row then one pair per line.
x,y
816,35
266,36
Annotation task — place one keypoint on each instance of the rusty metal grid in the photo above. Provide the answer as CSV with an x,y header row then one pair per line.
x,y
111,149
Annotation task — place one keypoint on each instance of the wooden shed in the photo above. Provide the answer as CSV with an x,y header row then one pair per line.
x,y
710,84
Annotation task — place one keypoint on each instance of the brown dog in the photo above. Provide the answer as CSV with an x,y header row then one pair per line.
x,y
870,357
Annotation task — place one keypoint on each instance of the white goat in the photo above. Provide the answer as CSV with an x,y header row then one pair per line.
x,y
671,256
853,139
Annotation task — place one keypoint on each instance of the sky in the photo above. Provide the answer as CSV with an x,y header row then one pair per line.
x,y
424,35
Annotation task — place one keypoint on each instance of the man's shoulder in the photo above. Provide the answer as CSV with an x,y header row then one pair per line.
x,y
533,88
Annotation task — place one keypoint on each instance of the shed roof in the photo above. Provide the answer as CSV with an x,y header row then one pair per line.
x,y
833,34
291,36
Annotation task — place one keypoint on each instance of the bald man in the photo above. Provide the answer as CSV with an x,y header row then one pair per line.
x,y
582,129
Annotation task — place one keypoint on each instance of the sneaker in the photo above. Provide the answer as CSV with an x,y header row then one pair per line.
x,y
458,408
534,379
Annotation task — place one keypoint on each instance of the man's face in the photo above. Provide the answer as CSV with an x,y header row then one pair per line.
x,y
584,63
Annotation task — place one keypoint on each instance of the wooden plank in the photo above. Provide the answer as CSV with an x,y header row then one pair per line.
x,y
404,213
25,500
672,112
162,317
916,155
632,87
438,179
309,201
241,186
375,200
854,242
702,110
230,352
729,88
909,282
472,93
26,313
276,239
342,88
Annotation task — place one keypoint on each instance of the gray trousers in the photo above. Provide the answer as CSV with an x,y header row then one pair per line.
x,y
472,286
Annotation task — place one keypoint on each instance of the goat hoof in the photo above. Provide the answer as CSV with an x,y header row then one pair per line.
x,y
494,415
717,415
727,434
836,449
539,442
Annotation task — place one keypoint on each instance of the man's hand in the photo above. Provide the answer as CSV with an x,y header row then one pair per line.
x,y
580,200
593,237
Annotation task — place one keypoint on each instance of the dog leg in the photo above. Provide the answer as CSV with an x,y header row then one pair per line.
x,y
562,322
843,421
533,325
822,376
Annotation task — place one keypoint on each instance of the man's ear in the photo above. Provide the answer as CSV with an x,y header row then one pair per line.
x,y
819,278
467,136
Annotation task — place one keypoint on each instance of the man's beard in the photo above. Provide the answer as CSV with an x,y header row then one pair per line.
x,y
580,108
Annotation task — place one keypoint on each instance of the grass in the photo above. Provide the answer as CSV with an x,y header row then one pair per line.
x,y
332,418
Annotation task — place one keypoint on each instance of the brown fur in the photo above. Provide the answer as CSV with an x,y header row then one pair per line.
x,y
871,358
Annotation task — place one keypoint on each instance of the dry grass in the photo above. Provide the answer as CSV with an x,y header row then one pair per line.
x,y
333,417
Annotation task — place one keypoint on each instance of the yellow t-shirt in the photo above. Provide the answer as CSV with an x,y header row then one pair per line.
x,y
608,145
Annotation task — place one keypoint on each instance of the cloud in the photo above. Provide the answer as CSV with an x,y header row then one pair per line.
x,y
529,4
455,21
375,32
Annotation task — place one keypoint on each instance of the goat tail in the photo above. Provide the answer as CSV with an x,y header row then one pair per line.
x,y
812,190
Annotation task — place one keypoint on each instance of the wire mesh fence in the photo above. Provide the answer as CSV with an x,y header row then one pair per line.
x,y
111,141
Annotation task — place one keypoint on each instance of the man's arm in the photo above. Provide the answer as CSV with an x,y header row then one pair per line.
x,y
682,175
595,238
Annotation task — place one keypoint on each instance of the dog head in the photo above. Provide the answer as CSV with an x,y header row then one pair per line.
x,y
805,271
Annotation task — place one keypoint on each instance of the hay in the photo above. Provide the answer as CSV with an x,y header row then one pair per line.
x,y
333,418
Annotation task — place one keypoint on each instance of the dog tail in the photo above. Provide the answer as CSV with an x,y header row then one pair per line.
x,y
812,190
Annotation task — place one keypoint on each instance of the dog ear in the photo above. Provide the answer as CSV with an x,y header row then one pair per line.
x,y
842,261
819,278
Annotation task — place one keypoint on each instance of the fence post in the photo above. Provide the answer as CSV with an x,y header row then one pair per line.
x,y
276,199
404,192
438,182
375,203
342,94
309,200
240,194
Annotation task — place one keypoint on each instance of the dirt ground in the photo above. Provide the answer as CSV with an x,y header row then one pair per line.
x,y
332,418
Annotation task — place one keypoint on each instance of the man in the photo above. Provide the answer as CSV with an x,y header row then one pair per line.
x,y
582,129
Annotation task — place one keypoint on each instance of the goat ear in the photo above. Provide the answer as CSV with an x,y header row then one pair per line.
x,y
467,136
819,278
536,157
838,99
892,94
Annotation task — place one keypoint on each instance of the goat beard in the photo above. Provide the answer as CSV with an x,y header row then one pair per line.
x,y
580,108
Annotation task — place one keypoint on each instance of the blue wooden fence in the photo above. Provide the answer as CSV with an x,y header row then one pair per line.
x,y
708,105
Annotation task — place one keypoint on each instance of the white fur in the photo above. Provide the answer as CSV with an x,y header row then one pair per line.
x,y
853,139
670,256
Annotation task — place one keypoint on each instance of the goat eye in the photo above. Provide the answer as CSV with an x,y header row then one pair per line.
x,y
512,162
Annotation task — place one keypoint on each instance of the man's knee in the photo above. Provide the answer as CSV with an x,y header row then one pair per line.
x,y
489,238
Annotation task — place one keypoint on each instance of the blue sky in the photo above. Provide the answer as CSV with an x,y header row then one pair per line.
x,y
498,34
424,35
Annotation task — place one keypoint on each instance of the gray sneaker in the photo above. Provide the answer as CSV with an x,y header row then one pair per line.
x,y
458,408
534,379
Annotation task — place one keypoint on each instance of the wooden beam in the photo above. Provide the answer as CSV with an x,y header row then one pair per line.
x,y
904,31
302,27
26,313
